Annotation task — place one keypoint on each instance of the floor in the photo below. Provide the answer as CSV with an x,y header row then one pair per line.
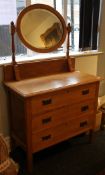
x,y
72,157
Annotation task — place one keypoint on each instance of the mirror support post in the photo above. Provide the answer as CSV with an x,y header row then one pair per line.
x,y
67,52
12,42
15,66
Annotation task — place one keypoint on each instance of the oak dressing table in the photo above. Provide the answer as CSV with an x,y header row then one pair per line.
x,y
49,101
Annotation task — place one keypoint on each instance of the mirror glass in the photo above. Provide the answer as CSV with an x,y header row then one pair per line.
x,y
41,28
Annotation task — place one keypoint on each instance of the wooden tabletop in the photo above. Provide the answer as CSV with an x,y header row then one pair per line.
x,y
30,87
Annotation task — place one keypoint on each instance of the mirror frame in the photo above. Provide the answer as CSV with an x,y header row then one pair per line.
x,y
53,11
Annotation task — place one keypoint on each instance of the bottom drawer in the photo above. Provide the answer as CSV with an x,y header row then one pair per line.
x,y
51,136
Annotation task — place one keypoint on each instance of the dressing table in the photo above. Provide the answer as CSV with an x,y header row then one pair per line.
x,y
49,101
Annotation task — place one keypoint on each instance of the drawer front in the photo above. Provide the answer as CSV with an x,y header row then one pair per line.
x,y
61,132
61,115
46,102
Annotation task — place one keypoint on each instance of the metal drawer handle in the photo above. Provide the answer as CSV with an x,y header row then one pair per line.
x,y
85,92
83,124
44,138
46,120
84,108
47,101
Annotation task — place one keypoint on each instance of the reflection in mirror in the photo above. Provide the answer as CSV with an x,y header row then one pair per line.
x,y
41,29
52,35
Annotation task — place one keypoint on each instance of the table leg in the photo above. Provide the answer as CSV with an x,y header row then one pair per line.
x,y
29,162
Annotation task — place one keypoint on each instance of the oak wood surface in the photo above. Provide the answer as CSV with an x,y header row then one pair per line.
x,y
60,132
37,68
61,115
49,107
55,100
51,83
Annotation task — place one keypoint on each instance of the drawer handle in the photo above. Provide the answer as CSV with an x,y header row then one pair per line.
x,y
85,92
44,138
46,120
47,102
83,124
84,108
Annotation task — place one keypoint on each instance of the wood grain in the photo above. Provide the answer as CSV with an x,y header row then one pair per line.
x,y
51,83
37,68
50,105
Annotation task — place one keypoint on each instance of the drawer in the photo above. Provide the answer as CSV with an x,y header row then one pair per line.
x,y
61,132
49,101
61,115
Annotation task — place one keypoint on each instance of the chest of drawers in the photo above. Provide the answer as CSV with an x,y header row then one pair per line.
x,y
47,110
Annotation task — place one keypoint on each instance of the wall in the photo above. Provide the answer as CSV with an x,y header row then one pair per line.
x,y
101,60
93,65
87,64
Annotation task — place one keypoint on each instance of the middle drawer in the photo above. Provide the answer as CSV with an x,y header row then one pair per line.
x,y
61,115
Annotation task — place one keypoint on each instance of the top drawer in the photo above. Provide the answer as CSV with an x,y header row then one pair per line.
x,y
56,99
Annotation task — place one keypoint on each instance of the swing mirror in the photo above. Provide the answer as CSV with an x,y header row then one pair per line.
x,y
41,28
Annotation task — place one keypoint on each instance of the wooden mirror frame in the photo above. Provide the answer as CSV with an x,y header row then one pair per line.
x,y
49,9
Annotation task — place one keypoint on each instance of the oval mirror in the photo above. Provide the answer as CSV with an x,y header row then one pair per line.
x,y
41,28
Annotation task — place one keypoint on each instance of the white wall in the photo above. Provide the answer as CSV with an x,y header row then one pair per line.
x,y
101,60
90,64
87,64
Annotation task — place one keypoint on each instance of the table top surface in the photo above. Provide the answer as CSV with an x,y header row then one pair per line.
x,y
36,86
